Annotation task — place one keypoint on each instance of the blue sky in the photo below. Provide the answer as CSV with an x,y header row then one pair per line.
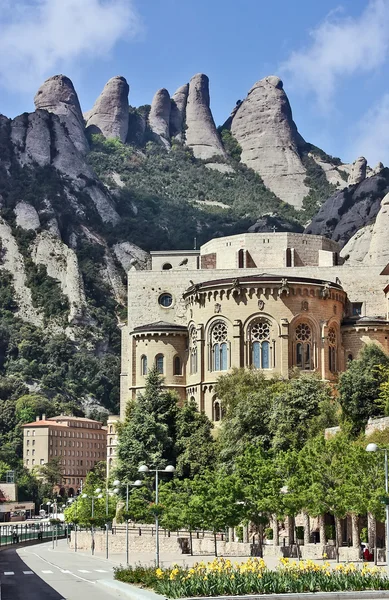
x,y
332,56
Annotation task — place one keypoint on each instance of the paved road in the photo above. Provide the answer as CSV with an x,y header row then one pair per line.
x,y
41,573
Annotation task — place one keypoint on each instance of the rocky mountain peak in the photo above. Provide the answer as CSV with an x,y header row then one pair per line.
x,y
201,133
57,95
109,114
265,130
159,117
358,171
177,113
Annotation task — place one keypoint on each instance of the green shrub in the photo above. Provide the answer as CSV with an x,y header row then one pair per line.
x,y
269,533
330,532
364,535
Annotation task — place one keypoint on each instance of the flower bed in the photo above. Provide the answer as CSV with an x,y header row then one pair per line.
x,y
222,577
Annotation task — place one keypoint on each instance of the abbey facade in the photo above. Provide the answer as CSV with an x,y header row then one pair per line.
x,y
271,301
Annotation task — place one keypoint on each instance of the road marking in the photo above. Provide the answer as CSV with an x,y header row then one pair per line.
x,y
9,573
65,571
101,571
83,571
28,572
47,572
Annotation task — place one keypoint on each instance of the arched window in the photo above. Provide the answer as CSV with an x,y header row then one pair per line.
x,y
159,363
259,340
332,362
110,429
303,339
143,365
193,350
167,267
349,357
177,369
216,411
288,257
219,347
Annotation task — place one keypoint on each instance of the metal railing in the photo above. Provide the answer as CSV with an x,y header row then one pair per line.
x,y
18,533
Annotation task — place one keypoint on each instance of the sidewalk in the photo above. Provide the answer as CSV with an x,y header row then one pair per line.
x,y
167,560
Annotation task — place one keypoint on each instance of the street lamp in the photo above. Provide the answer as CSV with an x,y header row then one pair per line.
x,y
134,485
145,469
96,496
374,448
109,493
70,502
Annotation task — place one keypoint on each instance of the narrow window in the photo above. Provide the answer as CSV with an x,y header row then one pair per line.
x,y
288,257
259,340
177,366
219,347
216,411
241,259
143,365
159,363
303,338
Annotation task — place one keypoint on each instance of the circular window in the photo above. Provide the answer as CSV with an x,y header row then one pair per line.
x,y
165,300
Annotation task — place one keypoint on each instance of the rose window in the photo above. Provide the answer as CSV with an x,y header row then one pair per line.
x,y
303,332
219,333
260,331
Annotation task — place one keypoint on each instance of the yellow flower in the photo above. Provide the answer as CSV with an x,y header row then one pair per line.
x,y
159,573
325,555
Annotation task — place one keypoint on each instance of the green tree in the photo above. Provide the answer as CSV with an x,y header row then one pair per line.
x,y
298,410
149,431
195,446
52,472
247,399
360,388
29,406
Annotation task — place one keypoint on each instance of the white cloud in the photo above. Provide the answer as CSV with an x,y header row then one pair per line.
x,y
39,38
372,134
341,46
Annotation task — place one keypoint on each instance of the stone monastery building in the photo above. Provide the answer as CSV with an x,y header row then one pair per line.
x,y
272,301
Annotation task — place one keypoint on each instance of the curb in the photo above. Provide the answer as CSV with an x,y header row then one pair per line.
x,y
360,595
131,591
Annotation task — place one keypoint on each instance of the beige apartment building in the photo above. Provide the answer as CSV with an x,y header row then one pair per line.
x,y
79,442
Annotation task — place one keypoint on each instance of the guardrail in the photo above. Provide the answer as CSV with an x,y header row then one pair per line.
x,y
18,533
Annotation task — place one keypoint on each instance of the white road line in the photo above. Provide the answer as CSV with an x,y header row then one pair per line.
x,y
28,572
101,571
47,572
9,573
83,571
65,571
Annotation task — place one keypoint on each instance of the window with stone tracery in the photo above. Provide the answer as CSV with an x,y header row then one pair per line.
x,y
332,357
303,339
259,340
193,350
219,346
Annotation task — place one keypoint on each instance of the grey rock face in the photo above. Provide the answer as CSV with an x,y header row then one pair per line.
x,y
40,137
348,210
159,117
264,128
109,114
57,95
358,171
357,248
201,134
177,113
379,245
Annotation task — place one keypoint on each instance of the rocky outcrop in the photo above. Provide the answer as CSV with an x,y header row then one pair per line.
x,y
57,95
357,248
13,262
129,255
159,117
264,128
26,216
379,245
272,223
109,114
347,211
358,171
177,113
61,264
41,138
201,134
332,172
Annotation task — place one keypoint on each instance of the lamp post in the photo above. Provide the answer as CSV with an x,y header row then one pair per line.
x,y
70,501
109,493
374,448
96,496
134,485
145,469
